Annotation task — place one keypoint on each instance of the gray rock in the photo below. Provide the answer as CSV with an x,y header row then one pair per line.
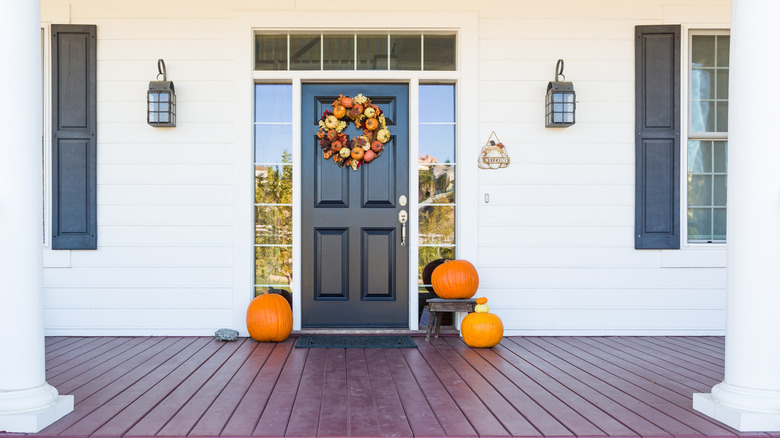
x,y
226,335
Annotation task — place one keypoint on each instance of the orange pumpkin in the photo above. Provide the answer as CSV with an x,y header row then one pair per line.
x,y
481,329
339,111
347,102
368,156
455,280
336,146
357,153
269,318
372,124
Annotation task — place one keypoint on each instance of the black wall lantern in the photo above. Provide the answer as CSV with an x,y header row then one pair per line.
x,y
561,101
161,100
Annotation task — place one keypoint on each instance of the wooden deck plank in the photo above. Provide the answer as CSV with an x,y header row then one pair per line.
x,y
473,395
189,414
569,417
552,387
578,402
219,413
109,384
419,413
57,367
693,353
245,417
66,382
158,417
623,370
641,411
390,412
305,416
451,418
668,356
161,364
678,420
276,415
363,415
681,376
334,414
545,423
180,366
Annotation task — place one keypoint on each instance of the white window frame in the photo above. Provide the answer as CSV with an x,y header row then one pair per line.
x,y
465,78
685,105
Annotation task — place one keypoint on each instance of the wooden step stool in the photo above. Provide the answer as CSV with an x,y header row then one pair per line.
x,y
437,306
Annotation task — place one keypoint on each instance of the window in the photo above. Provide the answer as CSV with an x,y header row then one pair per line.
x,y
707,138
436,190
273,187
426,52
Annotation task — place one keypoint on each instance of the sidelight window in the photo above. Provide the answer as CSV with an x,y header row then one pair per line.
x,y
436,174
273,187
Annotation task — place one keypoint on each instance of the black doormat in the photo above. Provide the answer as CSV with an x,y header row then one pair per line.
x,y
354,341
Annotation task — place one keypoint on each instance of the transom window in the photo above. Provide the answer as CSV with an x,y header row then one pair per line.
x,y
708,138
417,52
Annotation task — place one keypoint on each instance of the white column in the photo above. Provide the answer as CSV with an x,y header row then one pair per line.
x,y
748,399
27,402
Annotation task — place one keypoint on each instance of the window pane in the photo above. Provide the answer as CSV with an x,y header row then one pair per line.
x,y
700,224
431,253
437,224
703,51
259,290
372,52
437,103
722,120
437,184
273,265
272,142
723,50
719,190
720,149
722,91
439,52
271,52
273,184
702,84
437,143
273,225
699,190
719,224
273,103
703,117
304,52
405,52
699,156
338,52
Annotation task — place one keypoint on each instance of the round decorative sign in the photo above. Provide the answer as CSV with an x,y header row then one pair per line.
x,y
338,146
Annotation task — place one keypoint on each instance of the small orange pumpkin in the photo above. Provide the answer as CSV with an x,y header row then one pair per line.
x,y
368,156
339,111
372,124
455,280
336,146
481,329
347,102
357,153
269,318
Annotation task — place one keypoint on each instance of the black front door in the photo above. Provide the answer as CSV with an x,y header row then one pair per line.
x,y
355,268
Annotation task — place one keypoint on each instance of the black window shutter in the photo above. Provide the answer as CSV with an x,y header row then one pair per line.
x,y
657,137
74,140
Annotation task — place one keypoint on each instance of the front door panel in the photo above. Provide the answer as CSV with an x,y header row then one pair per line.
x,y
355,271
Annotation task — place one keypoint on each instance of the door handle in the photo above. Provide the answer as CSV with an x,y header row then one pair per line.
x,y
403,217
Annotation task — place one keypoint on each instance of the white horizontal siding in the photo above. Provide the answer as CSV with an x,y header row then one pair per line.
x,y
554,243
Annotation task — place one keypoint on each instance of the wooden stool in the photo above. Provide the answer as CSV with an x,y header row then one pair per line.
x,y
437,306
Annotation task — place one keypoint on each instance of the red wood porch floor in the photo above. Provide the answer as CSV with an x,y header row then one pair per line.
x,y
528,386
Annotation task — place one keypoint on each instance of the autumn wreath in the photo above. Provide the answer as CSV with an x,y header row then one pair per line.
x,y
338,146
